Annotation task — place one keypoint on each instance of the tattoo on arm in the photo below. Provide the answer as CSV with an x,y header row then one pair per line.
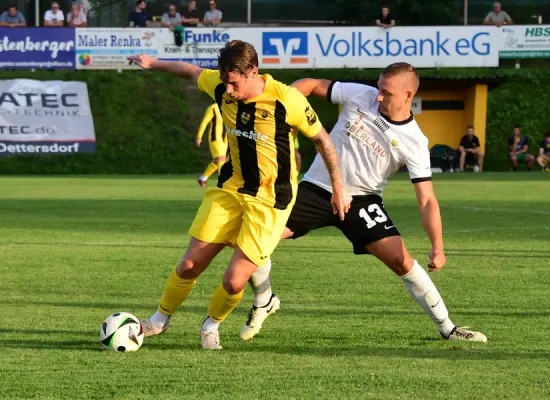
x,y
325,146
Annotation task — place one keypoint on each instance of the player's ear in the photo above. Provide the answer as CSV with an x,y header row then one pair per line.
x,y
410,96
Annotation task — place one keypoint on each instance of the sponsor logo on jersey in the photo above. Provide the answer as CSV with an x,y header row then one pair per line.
x,y
249,135
359,132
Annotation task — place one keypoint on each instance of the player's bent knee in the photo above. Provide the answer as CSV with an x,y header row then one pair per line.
x,y
233,285
189,268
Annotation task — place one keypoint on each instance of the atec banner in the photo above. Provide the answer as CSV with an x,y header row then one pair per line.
x,y
45,117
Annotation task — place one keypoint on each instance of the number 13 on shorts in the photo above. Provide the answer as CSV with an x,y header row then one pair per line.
x,y
379,218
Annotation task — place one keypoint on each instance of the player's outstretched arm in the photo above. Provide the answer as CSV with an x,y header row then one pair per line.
x,y
341,200
182,69
431,220
308,86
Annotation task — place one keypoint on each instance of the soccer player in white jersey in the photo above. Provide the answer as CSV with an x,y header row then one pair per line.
x,y
375,135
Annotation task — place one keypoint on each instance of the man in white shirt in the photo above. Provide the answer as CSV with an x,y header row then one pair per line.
x,y
375,135
54,17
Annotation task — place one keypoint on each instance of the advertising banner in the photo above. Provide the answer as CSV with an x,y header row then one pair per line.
x,y
525,41
201,46
45,117
373,47
28,48
108,48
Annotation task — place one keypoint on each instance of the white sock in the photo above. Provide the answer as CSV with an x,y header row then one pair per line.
x,y
423,290
259,282
158,320
210,325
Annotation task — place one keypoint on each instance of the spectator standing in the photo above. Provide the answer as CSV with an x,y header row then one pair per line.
x,y
213,16
54,17
471,149
12,18
171,18
544,153
519,147
190,17
385,19
76,17
139,18
498,17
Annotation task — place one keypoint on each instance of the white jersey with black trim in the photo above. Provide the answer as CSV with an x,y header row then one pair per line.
x,y
371,147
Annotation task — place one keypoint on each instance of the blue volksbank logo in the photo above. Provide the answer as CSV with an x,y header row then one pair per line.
x,y
358,44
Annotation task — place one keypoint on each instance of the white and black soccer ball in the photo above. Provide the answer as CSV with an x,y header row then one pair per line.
x,y
121,332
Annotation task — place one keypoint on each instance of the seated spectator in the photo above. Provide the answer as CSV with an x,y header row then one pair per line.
x,y
190,17
171,18
497,16
519,147
54,17
470,150
77,18
139,18
385,19
12,18
213,16
544,153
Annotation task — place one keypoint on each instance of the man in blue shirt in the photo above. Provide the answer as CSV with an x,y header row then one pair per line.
x,y
139,17
12,18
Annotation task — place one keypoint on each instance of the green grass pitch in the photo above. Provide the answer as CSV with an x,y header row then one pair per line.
x,y
76,249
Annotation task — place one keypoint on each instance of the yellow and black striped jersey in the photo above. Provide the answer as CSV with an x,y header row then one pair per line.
x,y
261,133
213,117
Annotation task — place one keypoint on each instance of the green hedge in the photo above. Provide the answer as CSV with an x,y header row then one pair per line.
x,y
145,122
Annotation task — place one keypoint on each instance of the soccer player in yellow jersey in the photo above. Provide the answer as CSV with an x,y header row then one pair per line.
x,y
217,141
298,155
257,186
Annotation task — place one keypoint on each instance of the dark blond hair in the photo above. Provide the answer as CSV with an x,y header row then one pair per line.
x,y
399,68
238,57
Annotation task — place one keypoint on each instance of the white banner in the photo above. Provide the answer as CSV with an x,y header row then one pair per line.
x,y
525,41
44,117
318,47
372,47
107,48
201,46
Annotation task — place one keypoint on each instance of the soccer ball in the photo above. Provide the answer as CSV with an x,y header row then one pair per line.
x,y
121,332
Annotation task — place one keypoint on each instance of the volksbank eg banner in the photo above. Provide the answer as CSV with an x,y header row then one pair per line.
x,y
369,47
108,48
373,47
45,117
37,48
525,41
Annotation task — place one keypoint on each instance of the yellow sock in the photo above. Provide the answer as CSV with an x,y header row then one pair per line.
x,y
210,170
222,303
175,293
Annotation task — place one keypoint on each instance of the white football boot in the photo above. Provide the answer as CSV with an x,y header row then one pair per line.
x,y
151,330
257,316
210,340
465,335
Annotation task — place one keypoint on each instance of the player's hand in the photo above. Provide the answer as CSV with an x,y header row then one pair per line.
x,y
341,202
198,142
437,260
143,60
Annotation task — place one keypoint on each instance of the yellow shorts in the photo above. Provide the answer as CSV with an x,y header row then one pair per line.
x,y
218,148
240,220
